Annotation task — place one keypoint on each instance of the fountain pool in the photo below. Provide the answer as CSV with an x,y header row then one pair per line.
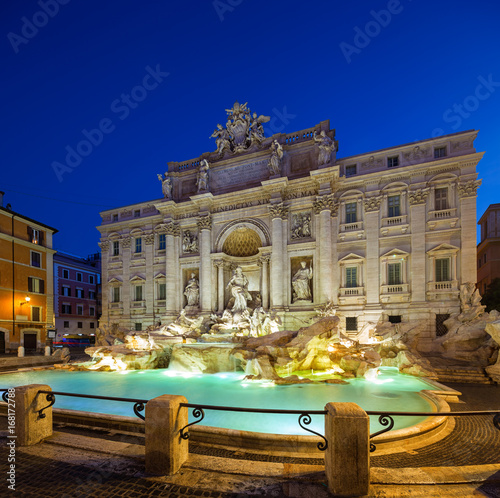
x,y
390,391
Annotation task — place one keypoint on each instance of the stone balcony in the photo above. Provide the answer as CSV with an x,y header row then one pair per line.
x,y
351,231
442,219
397,293
394,225
437,291
352,295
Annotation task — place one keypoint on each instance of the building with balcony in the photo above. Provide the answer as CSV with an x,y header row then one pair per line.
x,y
488,250
76,295
387,235
26,281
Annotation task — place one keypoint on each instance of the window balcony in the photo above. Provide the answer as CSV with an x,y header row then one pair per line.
x,y
138,304
351,227
352,295
396,293
442,290
444,218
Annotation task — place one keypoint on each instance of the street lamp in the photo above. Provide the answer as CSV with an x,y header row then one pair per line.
x,y
27,299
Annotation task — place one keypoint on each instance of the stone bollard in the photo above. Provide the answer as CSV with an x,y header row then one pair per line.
x,y
166,451
47,351
347,459
29,427
20,351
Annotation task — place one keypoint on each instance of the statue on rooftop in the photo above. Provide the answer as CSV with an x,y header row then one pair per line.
x,y
202,178
326,147
274,162
166,186
222,139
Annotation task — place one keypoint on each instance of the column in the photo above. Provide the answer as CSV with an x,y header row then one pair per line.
x,y
205,227
372,230
468,263
323,206
335,255
104,319
125,243
170,268
149,291
418,283
264,263
219,264
277,212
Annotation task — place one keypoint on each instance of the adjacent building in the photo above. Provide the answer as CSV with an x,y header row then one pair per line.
x,y
26,281
387,235
488,250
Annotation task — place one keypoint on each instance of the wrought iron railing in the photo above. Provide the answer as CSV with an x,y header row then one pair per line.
x,y
385,417
304,417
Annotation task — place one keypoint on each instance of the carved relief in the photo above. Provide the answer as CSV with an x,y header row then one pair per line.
x,y
325,202
149,209
106,218
126,213
373,203
416,153
301,225
149,239
462,144
205,222
278,211
468,189
418,196
189,242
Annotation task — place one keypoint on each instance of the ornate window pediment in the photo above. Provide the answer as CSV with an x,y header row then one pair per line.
x,y
138,279
442,249
351,259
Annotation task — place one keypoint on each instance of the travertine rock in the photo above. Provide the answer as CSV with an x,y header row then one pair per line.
x,y
493,329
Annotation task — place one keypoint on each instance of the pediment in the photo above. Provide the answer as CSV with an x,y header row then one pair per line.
x,y
114,280
352,258
137,278
396,253
443,248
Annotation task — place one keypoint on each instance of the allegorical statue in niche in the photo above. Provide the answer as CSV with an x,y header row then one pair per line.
x,y
326,147
189,242
222,139
202,179
192,291
166,186
300,283
238,287
274,162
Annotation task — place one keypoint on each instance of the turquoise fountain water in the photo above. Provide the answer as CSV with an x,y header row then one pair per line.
x,y
390,391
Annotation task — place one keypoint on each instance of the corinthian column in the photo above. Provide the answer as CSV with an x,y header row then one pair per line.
x,y
170,267
220,285
205,227
323,207
264,263
278,212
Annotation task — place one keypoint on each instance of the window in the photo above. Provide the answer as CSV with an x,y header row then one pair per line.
x,y
79,309
162,242
441,199
91,294
350,212
116,248
351,276
116,295
351,323
394,318
138,293
36,285
91,279
36,259
115,217
92,325
35,236
138,244
137,213
393,206
36,313
91,311
79,277
66,325
162,291
439,152
350,170
80,325
138,327
440,326
79,293
66,309
66,291
394,273
442,270
65,273
392,162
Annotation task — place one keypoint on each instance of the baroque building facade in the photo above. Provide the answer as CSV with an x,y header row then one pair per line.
x,y
384,235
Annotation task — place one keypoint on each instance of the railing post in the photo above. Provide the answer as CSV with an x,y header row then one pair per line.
x,y
347,458
30,428
166,451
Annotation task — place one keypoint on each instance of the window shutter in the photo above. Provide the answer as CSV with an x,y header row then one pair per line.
x,y
42,287
30,234
30,284
41,238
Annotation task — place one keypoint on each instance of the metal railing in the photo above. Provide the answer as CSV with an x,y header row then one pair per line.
x,y
385,417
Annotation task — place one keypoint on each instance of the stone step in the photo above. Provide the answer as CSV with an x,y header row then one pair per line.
x,y
471,375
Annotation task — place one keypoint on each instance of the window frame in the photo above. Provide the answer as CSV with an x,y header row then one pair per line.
x,y
138,245
115,248
162,242
438,152
351,214
393,161
39,311
39,254
396,208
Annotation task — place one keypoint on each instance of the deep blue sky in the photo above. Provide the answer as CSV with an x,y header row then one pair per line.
x,y
277,55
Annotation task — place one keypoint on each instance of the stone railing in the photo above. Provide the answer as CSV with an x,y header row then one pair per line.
x,y
352,291
395,289
394,220
449,285
351,227
300,136
442,214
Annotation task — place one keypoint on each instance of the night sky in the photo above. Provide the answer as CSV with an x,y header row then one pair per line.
x,y
424,69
